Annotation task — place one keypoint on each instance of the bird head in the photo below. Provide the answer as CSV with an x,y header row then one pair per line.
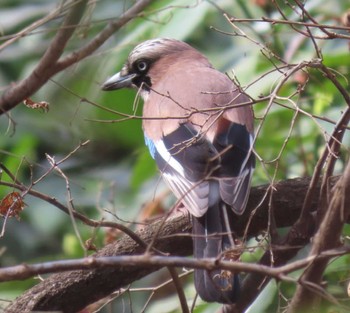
x,y
149,61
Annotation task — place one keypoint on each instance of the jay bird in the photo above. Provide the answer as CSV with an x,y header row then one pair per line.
x,y
201,139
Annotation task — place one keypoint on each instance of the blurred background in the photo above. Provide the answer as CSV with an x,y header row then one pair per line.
x,y
112,176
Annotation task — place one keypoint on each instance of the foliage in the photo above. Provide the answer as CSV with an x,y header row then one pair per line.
x,y
112,177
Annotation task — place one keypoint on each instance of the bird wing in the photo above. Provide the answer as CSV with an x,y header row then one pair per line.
x,y
234,144
183,160
189,163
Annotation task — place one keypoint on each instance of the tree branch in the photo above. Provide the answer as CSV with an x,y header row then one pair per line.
x,y
63,291
107,32
45,68
327,237
50,64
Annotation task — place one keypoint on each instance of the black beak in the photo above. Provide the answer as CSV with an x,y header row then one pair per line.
x,y
118,81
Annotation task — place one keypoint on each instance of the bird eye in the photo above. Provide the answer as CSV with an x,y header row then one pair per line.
x,y
142,66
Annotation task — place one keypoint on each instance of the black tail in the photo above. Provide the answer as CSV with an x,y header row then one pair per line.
x,y
219,285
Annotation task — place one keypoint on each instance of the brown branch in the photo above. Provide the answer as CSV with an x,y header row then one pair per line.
x,y
288,22
334,144
327,237
303,228
287,203
38,23
77,215
179,289
107,32
99,260
330,152
308,15
298,236
63,291
72,291
45,68
50,64
293,24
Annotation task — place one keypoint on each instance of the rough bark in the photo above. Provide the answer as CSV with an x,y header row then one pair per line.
x,y
71,291
307,297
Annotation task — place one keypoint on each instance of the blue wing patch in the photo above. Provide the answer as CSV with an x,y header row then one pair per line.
x,y
151,146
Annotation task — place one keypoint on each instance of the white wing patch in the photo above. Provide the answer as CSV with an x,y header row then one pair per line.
x,y
194,196
164,153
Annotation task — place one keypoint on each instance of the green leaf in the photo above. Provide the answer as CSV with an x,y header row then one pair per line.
x,y
23,148
322,101
145,168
